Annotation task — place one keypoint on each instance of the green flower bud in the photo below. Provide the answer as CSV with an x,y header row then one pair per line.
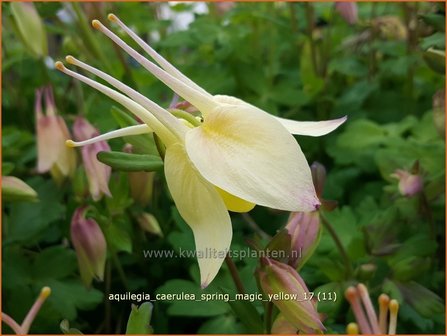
x,y
14,189
150,224
30,28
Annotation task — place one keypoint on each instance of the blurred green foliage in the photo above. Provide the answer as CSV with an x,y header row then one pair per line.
x,y
297,60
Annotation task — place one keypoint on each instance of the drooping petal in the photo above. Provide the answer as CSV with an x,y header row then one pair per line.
x,y
202,208
311,128
248,153
66,160
98,174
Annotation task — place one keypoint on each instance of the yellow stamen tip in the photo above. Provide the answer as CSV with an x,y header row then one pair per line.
x,y
112,17
59,66
45,292
352,329
394,306
350,293
384,300
96,24
69,143
70,59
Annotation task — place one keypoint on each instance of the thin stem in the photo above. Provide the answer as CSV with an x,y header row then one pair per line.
x,y
268,317
119,268
310,29
255,227
234,274
108,307
12,324
340,246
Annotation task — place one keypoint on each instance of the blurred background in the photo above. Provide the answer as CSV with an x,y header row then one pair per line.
x,y
381,64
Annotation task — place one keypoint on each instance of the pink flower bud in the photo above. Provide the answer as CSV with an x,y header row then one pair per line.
x,y
348,11
409,184
304,229
90,245
289,293
52,132
98,174
318,177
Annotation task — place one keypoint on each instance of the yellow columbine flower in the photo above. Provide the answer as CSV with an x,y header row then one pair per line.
x,y
237,157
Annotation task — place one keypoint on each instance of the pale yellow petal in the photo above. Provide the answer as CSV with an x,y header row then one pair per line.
x,y
248,153
202,208
311,128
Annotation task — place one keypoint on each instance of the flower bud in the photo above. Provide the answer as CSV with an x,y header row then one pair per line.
x,y
348,11
304,229
409,183
90,245
150,224
318,177
141,183
290,294
30,28
98,174
52,132
14,189
282,326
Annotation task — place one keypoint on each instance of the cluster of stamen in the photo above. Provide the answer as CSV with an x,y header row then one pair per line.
x,y
367,320
164,123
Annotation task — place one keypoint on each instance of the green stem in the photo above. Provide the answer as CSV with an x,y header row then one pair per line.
x,y
337,241
185,115
234,274
268,317
108,307
310,29
119,268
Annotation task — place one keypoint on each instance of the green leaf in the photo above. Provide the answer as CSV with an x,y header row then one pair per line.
x,y
423,300
435,60
224,325
7,168
248,314
139,320
27,220
437,21
55,262
65,328
437,40
118,238
131,162
69,296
